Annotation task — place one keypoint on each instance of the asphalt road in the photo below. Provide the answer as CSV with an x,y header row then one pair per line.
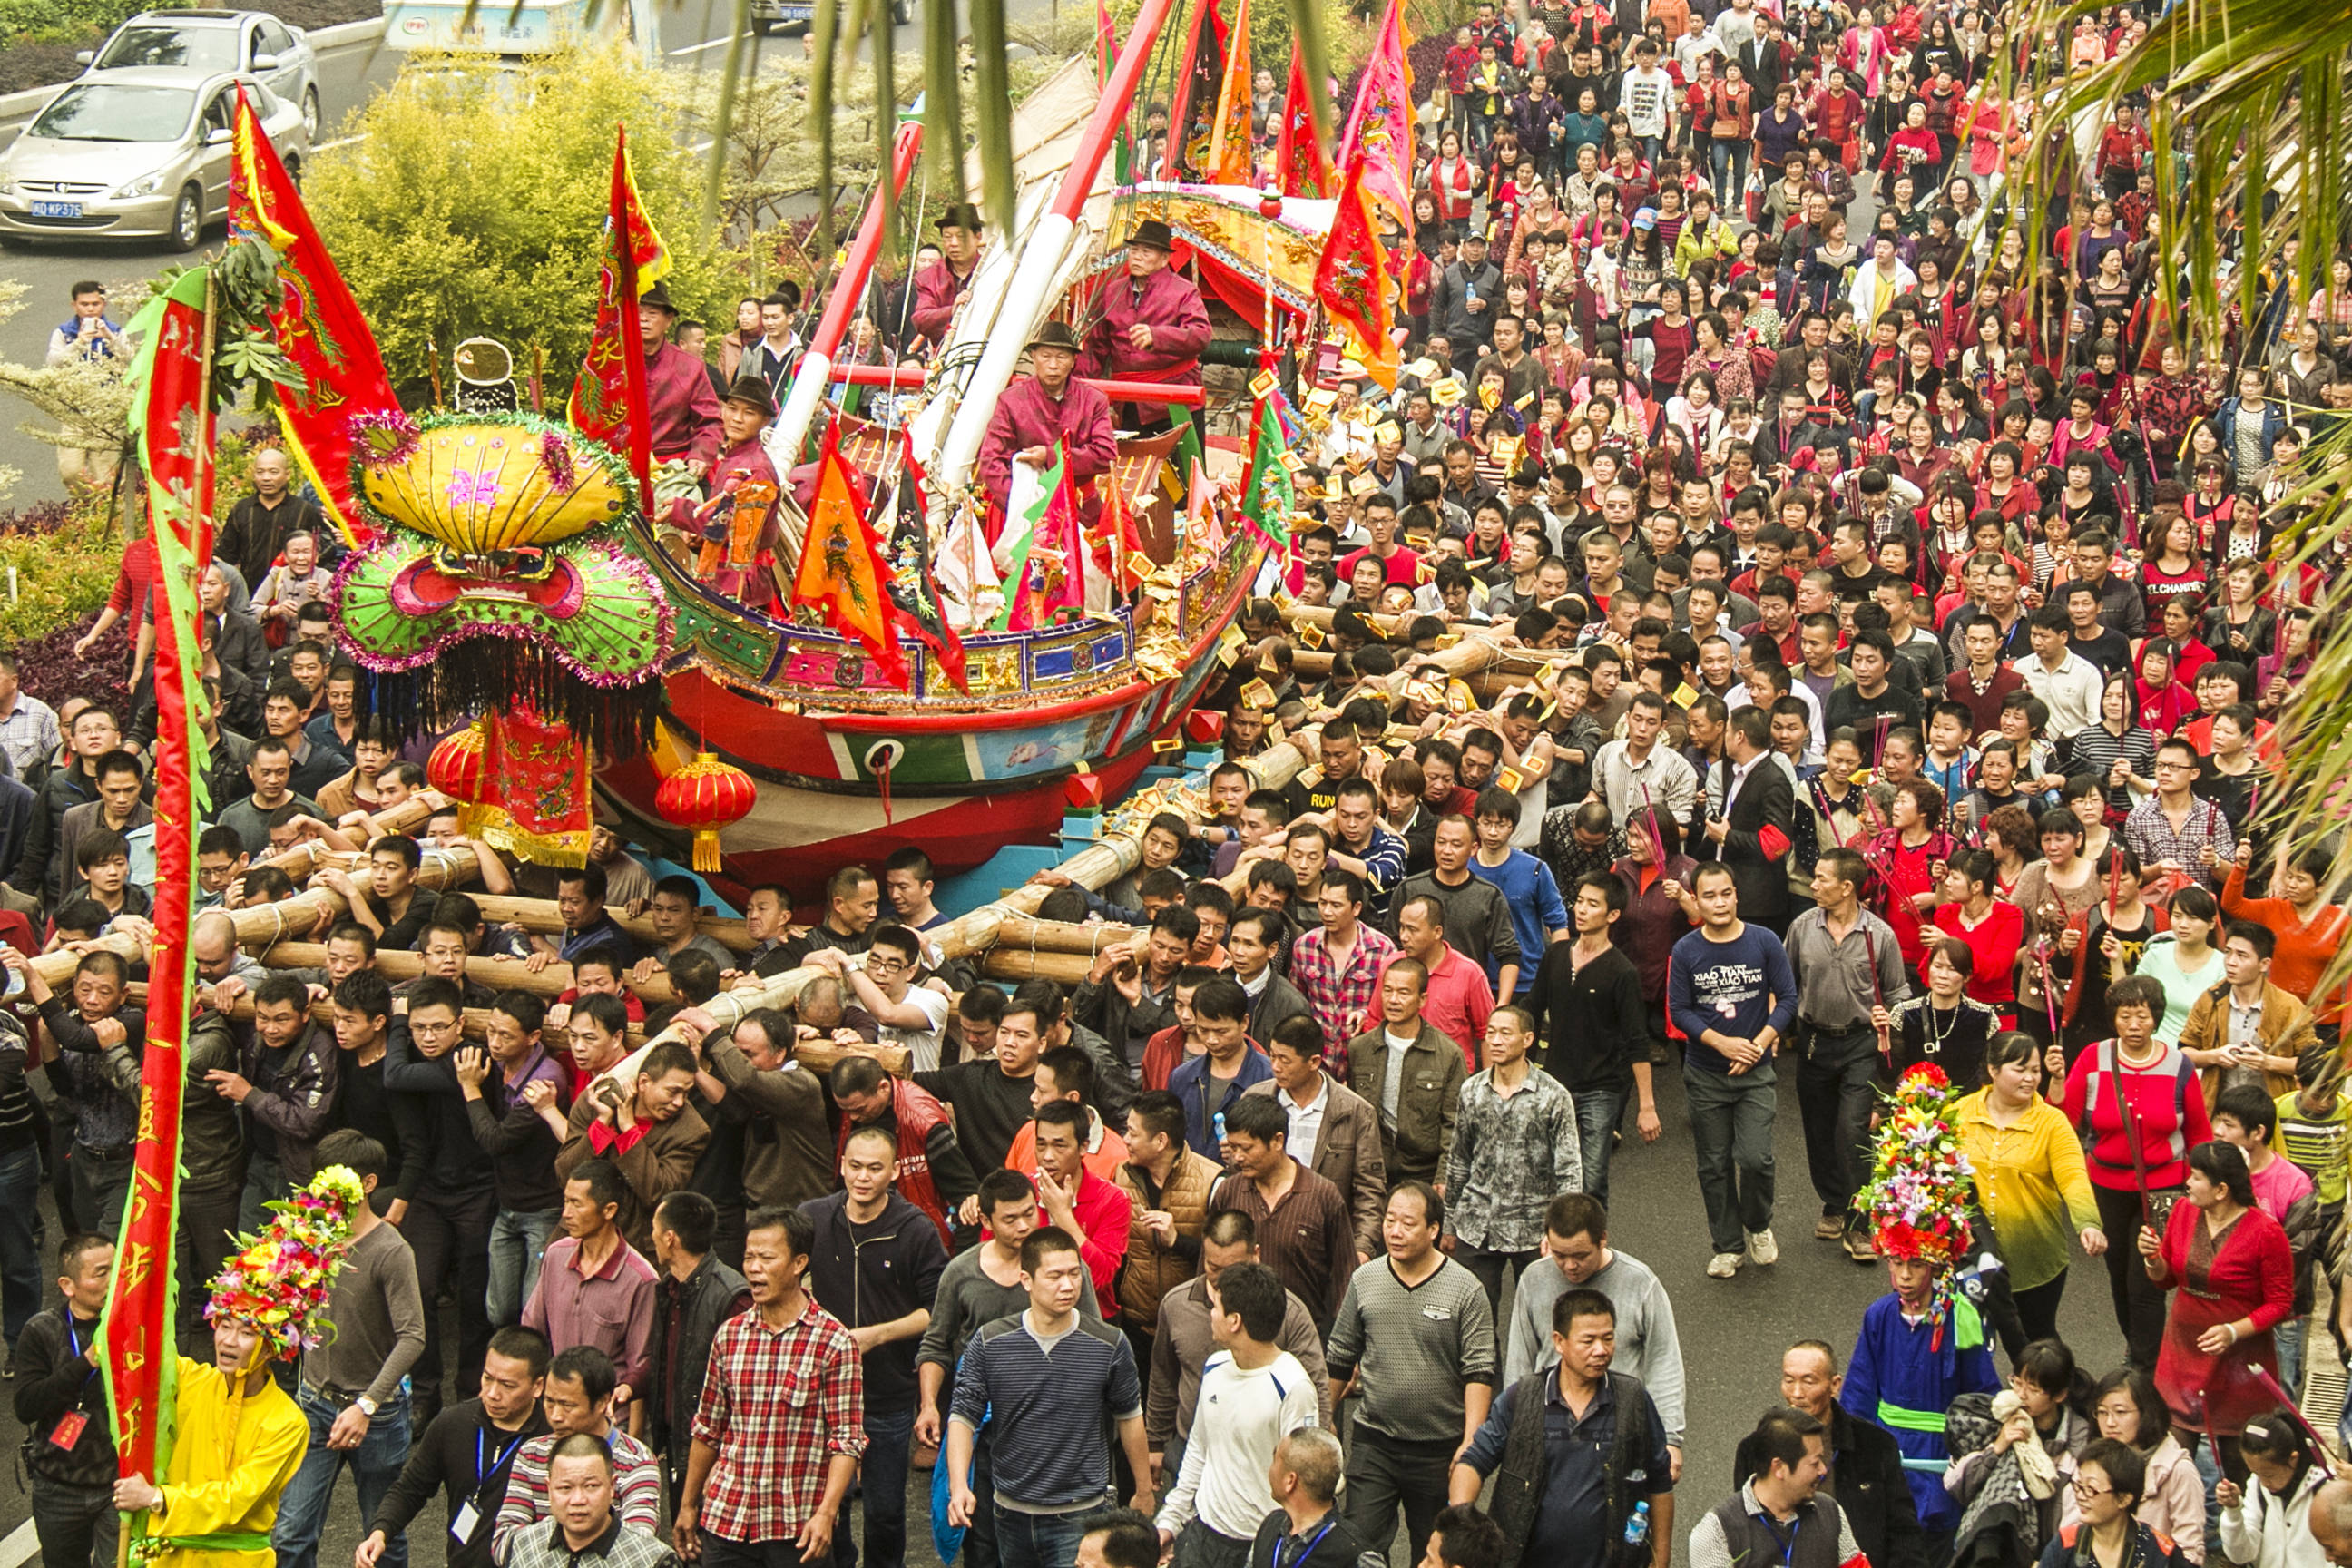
x,y
694,35
1732,1330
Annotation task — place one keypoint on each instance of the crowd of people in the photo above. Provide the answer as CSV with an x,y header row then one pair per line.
x,y
1914,631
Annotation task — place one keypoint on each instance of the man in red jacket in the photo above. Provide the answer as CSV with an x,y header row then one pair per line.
x,y
942,285
1153,327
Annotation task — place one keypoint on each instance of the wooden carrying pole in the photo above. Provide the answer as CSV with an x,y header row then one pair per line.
x,y
1095,868
503,973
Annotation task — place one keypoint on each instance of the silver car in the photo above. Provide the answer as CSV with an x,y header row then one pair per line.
x,y
204,43
135,155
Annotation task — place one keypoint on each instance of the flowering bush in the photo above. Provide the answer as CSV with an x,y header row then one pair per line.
x,y
1920,1185
58,563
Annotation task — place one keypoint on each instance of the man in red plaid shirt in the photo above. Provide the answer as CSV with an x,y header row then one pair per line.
x,y
783,1420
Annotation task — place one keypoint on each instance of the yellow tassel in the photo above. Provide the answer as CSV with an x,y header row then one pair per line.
x,y
706,850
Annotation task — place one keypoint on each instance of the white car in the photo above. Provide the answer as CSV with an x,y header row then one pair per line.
x,y
135,155
206,43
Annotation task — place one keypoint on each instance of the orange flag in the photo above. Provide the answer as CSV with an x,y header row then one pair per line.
x,y
1379,124
1353,280
1119,540
1229,139
842,573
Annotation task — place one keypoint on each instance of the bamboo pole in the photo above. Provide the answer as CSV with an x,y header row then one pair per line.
x,y
1095,868
313,853
540,916
1061,936
310,912
505,974
1019,964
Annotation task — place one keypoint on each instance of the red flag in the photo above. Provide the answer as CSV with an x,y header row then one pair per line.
x,y
922,608
1119,540
1352,282
608,402
842,574
1300,161
1230,162
1198,81
1059,566
1378,141
317,322
172,406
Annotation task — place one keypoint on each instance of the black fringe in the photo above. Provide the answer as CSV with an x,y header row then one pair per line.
x,y
489,674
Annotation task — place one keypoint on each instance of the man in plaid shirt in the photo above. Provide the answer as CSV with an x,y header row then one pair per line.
x,y
1336,966
783,1420
2175,830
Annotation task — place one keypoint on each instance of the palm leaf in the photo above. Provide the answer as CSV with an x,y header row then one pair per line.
x,y
943,98
993,83
827,29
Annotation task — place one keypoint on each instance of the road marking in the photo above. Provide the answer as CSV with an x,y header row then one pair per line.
x,y
711,44
339,141
21,1543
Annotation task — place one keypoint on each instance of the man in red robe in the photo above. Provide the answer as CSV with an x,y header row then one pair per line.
x,y
1153,328
678,394
1051,405
735,530
942,285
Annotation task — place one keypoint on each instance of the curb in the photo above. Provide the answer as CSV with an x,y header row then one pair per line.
x,y
18,106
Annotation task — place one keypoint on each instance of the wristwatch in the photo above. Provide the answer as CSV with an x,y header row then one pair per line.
x,y
365,1407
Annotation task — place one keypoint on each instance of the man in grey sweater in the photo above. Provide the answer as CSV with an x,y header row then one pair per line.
x,y
1415,1341
1577,1254
351,1384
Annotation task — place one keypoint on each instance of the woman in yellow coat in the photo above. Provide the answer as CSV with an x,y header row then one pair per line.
x,y
2027,1163
239,1438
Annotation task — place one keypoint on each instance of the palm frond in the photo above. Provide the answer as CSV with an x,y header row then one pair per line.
x,y
993,83
826,30
943,98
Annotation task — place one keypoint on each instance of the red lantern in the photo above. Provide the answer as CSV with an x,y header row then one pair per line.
x,y
455,769
705,795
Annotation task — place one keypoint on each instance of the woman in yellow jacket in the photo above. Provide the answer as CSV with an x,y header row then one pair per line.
x,y
2028,1165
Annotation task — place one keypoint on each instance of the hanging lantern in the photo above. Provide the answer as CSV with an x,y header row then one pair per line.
x,y
455,769
705,795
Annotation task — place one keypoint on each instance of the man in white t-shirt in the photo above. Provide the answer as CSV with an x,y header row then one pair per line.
x,y
1253,1393
909,1015
1647,97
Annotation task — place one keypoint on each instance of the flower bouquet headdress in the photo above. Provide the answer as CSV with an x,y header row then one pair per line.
x,y
278,1280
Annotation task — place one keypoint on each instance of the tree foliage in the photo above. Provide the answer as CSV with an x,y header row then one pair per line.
x,y
471,208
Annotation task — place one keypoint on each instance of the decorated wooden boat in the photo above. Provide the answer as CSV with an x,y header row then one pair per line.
x,y
849,765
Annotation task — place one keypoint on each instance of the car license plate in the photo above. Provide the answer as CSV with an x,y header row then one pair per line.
x,y
57,209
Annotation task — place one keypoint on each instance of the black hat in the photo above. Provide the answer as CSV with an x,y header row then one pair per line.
x,y
1152,232
658,298
1054,335
960,214
753,390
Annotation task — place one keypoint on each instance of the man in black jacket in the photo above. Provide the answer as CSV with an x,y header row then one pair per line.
x,y
39,870
1754,834
468,1452
259,525
1466,298
696,1293
233,638
875,1264
61,1400
1866,1467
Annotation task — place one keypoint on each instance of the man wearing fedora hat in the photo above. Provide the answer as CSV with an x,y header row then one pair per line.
x,y
1051,405
679,395
1153,325
942,285
735,530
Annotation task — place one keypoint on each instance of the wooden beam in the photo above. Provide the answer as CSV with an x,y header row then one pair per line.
x,y
505,974
1096,867
540,916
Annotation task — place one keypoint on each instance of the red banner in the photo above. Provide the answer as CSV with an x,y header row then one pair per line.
x,y
170,400
535,778
1230,161
608,402
317,323
1352,282
1300,160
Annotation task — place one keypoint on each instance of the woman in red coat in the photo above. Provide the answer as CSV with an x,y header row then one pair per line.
x,y
1994,931
2233,1278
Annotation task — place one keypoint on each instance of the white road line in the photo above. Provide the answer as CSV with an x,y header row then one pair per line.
x,y
19,1545
339,141
711,44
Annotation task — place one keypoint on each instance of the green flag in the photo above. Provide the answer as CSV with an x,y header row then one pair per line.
x,y
1031,493
1267,499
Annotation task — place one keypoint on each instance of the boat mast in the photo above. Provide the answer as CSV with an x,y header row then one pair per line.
x,y
1044,258
784,437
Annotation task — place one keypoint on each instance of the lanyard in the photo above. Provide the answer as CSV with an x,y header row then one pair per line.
x,y
1788,1547
482,1473
1305,1551
75,1340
